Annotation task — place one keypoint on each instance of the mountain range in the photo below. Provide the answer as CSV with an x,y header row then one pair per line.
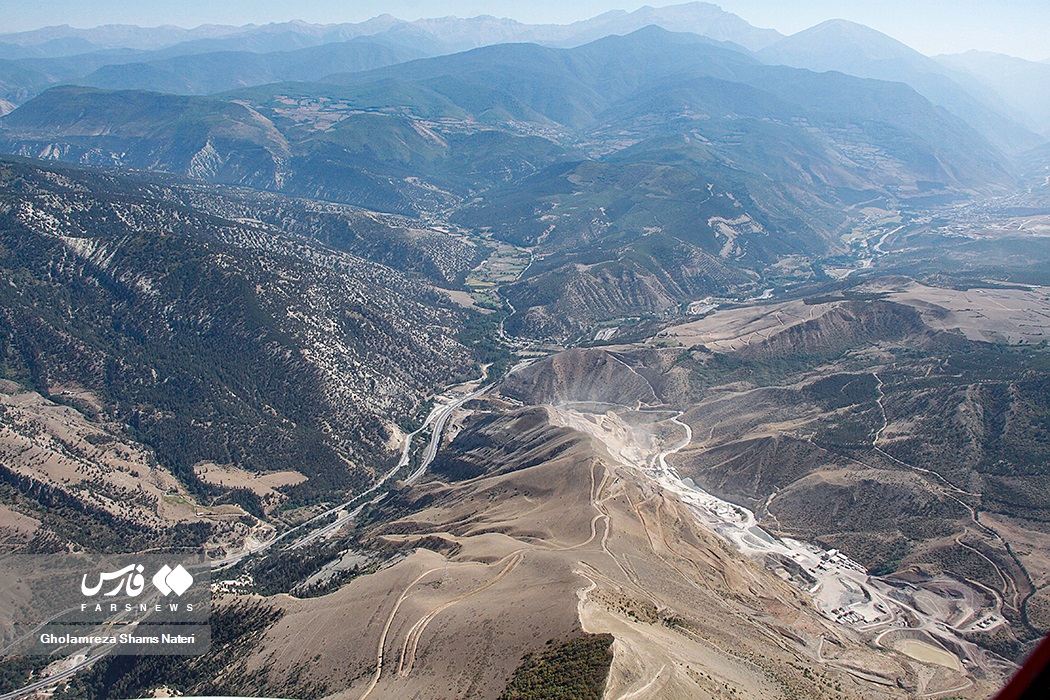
x,y
854,49
458,34
662,165
655,355
213,72
124,56
1024,86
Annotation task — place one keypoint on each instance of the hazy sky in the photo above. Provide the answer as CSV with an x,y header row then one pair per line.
x,y
1016,27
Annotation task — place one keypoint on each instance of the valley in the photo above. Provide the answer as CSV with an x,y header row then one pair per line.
x,y
672,430
586,481
668,424
655,355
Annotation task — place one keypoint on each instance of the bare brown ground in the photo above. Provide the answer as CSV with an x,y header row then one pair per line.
x,y
734,329
575,542
57,445
993,315
232,477
463,299
14,521
1031,545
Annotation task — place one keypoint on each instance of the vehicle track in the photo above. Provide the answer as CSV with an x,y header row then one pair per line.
x,y
408,649
640,692
1021,601
386,629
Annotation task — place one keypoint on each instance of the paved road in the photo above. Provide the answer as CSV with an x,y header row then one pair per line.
x,y
438,418
51,680
439,427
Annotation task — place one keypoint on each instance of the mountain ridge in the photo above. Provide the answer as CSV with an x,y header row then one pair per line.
x,y
659,167
699,17
1023,85
200,74
204,308
856,49
972,98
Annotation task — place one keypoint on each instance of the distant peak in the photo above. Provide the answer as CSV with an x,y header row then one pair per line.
x,y
844,32
704,5
840,22
650,29
843,25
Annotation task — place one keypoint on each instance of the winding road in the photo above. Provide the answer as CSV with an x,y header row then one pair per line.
x,y
437,420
